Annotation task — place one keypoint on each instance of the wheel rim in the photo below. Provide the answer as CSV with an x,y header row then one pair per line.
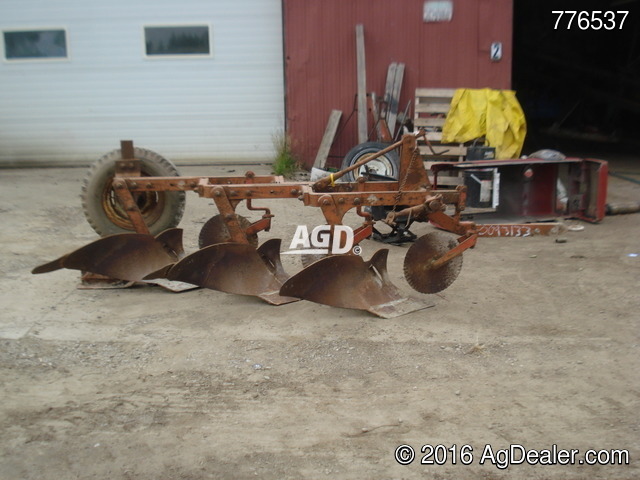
x,y
380,166
151,205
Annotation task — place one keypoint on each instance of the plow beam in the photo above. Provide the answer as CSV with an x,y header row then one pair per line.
x,y
123,256
233,268
348,281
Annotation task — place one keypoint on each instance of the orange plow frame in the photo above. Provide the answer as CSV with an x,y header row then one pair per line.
x,y
335,199
260,270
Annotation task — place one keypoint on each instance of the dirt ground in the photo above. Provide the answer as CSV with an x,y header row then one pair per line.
x,y
536,344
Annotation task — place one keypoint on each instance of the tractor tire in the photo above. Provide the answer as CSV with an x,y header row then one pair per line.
x,y
386,165
160,210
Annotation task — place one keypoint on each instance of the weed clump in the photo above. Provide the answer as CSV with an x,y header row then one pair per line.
x,y
284,163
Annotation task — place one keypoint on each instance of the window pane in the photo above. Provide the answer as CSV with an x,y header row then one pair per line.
x,y
177,40
35,44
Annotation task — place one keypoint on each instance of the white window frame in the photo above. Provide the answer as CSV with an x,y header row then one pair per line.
x,y
67,58
174,56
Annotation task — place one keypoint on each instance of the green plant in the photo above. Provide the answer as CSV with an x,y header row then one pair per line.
x,y
284,162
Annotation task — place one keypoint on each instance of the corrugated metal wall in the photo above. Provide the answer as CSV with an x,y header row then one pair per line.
x,y
320,58
226,107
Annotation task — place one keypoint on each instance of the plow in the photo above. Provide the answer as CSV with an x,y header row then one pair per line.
x,y
134,199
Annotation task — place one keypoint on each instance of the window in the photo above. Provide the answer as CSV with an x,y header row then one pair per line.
x,y
35,44
177,40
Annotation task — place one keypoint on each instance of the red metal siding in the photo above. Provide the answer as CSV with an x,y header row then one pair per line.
x,y
320,58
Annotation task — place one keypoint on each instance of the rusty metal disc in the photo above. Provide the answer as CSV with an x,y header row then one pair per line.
x,y
215,231
418,269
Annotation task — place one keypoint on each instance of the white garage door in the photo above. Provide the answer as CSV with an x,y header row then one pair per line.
x,y
195,80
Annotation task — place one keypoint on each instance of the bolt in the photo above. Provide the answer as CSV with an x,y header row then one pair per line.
x,y
435,205
218,193
326,202
341,200
149,185
193,185
233,193
294,192
134,185
248,193
357,201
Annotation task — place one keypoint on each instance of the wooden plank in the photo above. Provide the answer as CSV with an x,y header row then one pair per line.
x,y
388,89
435,92
373,105
395,98
442,180
433,107
430,122
362,85
327,139
434,136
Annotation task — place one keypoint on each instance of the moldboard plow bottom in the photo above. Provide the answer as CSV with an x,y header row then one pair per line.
x,y
125,199
350,282
232,268
126,256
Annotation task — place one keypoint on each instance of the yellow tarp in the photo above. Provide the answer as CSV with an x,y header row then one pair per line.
x,y
493,114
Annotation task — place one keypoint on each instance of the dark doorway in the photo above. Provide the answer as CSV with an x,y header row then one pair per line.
x,y
578,83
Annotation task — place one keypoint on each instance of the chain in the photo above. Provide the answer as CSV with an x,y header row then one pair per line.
x,y
414,155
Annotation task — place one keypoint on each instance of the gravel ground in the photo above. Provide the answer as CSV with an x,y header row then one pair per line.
x,y
535,345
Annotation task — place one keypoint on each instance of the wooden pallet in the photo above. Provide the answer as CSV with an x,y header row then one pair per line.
x,y
430,112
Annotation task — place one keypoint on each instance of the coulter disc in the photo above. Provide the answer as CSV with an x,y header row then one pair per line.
x,y
418,269
215,231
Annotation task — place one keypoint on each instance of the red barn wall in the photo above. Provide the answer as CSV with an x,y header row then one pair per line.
x,y
320,58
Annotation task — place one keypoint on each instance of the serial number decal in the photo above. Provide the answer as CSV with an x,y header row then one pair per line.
x,y
506,231
590,20
505,457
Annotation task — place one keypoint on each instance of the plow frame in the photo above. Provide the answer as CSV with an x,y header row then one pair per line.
x,y
413,188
